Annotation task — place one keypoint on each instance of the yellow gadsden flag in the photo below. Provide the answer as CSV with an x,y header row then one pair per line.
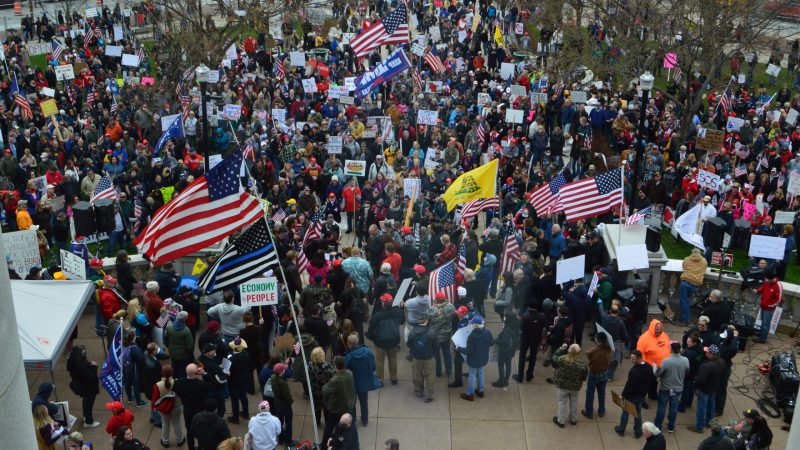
x,y
199,267
498,37
477,183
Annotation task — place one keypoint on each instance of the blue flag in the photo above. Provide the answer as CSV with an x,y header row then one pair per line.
x,y
111,374
175,130
395,64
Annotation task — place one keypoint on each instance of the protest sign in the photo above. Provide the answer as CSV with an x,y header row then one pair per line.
x,y
773,70
22,248
73,266
49,107
708,139
118,36
783,217
309,85
430,163
570,269
426,117
411,187
518,91
484,98
353,167
64,72
519,28
418,49
213,76
350,83
279,114
507,70
334,144
435,33
514,115
767,247
130,60
148,81
232,112
538,97
734,124
338,91
297,59
670,60
349,100
708,180
631,257
791,116
39,49
741,79
794,184
113,50
579,96
48,92
259,292
40,183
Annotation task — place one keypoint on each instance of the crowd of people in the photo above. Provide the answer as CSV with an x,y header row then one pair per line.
x,y
188,365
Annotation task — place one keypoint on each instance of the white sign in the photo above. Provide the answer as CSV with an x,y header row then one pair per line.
x,y
73,266
90,12
113,50
436,34
507,70
279,114
22,247
166,121
484,98
309,85
334,144
579,96
259,292
631,257
402,291
767,247
734,124
460,337
773,70
783,217
426,117
418,49
39,49
64,72
350,83
230,53
518,91
297,59
794,184
348,100
411,187
741,79
610,339
519,28
40,183
791,116
130,60
514,115
232,112
570,269
48,92
338,91
213,76
118,36
708,180
539,97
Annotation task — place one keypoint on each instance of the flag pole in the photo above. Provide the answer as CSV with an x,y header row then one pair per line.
x,y
302,349
622,204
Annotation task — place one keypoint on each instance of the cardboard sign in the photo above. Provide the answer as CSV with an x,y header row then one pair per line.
x,y
297,59
708,180
49,107
113,50
791,116
64,72
279,114
334,144
514,115
767,247
353,167
39,49
22,247
519,28
631,257
411,187
309,85
570,269
48,92
579,96
130,60
259,292
507,70
627,406
426,117
783,217
73,266
418,49
708,139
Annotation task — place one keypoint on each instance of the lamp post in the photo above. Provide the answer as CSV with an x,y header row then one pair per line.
x,y
201,74
646,85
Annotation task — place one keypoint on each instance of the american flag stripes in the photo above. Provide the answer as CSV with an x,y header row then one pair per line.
x,y
88,34
726,102
739,171
764,162
57,48
591,196
677,74
314,232
510,253
443,280
211,208
393,29
543,198
433,60
21,100
280,70
462,258
279,215
104,189
90,98
638,216
140,53
417,80
473,207
743,152
482,133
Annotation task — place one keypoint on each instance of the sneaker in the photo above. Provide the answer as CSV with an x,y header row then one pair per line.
x,y
164,444
94,424
694,429
497,384
469,398
528,378
516,378
555,421
588,416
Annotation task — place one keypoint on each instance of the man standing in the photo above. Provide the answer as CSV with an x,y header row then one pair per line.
x,y
283,403
229,316
264,428
464,316
694,270
771,297
422,344
345,435
361,362
571,370
671,373
531,327
209,428
718,311
477,352
215,375
599,361
706,384
384,332
193,392
179,340
340,396
639,378
619,335
654,346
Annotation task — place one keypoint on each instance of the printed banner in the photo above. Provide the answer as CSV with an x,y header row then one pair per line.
x,y
395,64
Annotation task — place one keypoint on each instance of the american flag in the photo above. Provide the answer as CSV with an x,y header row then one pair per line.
x,y
114,106
764,162
90,98
104,189
677,75
558,89
249,152
314,232
726,102
279,215
211,208
417,80
433,60
393,29
137,208
473,207
223,75
462,258
510,253
443,280
543,198
88,34
280,71
743,152
591,196
482,133
739,171
638,216
57,49
140,53
21,100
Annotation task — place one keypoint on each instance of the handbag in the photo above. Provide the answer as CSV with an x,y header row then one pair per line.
x,y
76,387
166,402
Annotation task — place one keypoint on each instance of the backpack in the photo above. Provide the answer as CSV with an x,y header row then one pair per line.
x,y
330,316
421,345
388,335
268,393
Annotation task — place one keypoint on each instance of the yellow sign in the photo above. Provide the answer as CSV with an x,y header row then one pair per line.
x,y
199,267
49,107
477,183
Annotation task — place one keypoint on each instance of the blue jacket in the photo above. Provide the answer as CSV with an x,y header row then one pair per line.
x,y
567,115
787,252
361,362
557,245
478,344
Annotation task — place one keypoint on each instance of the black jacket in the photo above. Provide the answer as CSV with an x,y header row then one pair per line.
x,y
193,394
718,314
384,327
531,327
639,378
345,438
84,373
655,442
709,376
209,429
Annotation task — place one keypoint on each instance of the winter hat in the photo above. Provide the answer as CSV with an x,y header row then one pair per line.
x,y
713,349
238,345
182,316
279,368
213,326
263,406
462,291
209,347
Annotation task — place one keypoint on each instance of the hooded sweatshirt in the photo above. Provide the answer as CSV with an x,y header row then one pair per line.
x,y
229,316
361,362
264,429
654,349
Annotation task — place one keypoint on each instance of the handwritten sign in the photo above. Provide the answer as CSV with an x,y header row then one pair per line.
x,y
297,59
354,167
426,117
22,248
579,96
418,49
411,187
259,292
514,115
334,144
708,180
349,100
670,60
338,91
791,116
767,247
49,107
114,50
708,139
279,114
309,85
130,60
73,266
39,49
64,72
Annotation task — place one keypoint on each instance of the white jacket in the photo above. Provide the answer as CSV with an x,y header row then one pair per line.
x,y
262,432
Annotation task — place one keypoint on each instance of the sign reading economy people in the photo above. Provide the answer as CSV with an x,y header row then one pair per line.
x,y
259,292
395,64
477,183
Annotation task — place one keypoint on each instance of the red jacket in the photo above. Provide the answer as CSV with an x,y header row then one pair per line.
x,y
771,295
123,419
109,303
350,201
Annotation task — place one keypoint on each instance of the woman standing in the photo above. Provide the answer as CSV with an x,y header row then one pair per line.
x,y
321,372
124,440
84,382
354,307
169,407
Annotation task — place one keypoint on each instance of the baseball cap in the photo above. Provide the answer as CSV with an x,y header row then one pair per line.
x,y
477,320
279,368
115,406
441,296
713,349
419,268
386,298
462,310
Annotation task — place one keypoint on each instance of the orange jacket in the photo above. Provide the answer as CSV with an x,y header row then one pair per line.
x,y
654,349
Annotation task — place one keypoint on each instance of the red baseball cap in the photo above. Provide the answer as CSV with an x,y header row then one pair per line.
x,y
462,310
386,298
440,295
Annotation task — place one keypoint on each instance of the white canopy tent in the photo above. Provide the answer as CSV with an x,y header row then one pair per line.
x,y
47,312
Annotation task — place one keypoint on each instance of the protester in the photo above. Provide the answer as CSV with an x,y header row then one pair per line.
x,y
169,407
599,360
84,377
360,360
671,373
263,429
340,396
571,371
640,376
384,332
120,417
208,427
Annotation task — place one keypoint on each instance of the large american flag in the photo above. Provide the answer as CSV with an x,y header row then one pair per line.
x,y
57,48
443,279
473,207
211,208
104,189
433,60
462,258
314,232
638,216
393,29
726,102
543,198
510,253
591,196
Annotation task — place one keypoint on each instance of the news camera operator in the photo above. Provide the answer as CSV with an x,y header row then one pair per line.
x,y
717,310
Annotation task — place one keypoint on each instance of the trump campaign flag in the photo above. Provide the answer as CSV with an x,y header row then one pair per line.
x,y
175,130
394,65
111,374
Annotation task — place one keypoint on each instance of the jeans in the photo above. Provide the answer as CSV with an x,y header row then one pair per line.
x,y
364,406
117,237
350,217
133,391
285,415
443,353
87,401
671,398
687,396
616,359
705,409
637,421
685,291
596,381
173,420
238,396
527,347
474,380
766,320
504,367
567,398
